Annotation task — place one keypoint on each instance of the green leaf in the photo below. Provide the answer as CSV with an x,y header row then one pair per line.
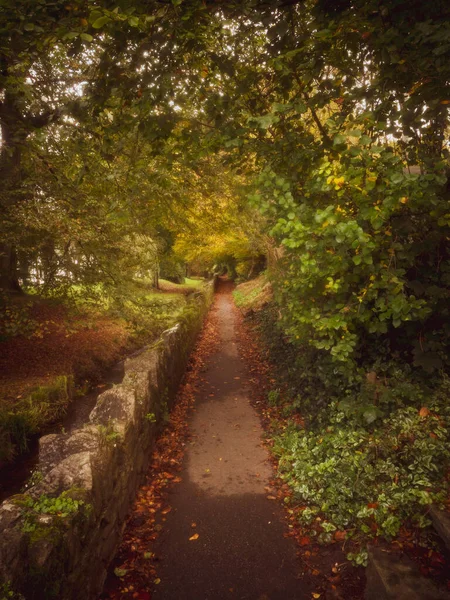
x,y
265,121
98,24
95,15
396,178
370,414
120,572
365,140
338,140
86,37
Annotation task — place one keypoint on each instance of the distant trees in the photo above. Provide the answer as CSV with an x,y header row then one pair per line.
x,y
220,130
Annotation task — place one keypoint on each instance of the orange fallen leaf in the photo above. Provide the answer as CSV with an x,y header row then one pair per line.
x,y
271,497
424,412
304,541
194,537
316,595
193,525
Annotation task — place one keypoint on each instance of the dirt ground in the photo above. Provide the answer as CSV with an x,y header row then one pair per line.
x,y
64,346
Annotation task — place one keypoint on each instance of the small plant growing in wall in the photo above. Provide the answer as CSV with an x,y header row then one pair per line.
x,y
61,507
108,435
151,417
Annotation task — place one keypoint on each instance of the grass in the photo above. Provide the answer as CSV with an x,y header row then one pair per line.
x,y
50,345
253,294
30,414
187,287
193,282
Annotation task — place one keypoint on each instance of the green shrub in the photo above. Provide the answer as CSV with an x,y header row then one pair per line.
x,y
369,481
27,417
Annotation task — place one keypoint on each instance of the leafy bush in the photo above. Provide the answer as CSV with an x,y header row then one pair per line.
x,y
28,416
369,481
374,453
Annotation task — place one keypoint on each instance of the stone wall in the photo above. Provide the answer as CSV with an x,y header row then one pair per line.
x,y
57,539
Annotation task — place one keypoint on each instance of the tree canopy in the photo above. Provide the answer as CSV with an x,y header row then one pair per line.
x,y
142,134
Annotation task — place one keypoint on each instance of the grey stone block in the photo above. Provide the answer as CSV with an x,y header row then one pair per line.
x,y
106,459
441,522
393,577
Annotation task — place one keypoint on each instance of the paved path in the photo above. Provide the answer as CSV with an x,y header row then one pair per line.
x,y
241,552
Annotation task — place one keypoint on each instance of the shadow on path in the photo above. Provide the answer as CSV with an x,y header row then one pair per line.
x,y
241,551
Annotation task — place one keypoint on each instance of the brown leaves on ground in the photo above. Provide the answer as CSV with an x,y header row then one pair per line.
x,y
79,344
331,575
135,558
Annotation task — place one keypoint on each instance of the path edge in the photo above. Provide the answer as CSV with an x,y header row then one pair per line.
x,y
93,473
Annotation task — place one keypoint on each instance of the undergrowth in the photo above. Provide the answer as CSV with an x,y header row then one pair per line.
x,y
145,313
29,415
369,454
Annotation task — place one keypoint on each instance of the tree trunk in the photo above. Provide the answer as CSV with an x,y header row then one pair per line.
x,y
24,262
13,137
9,281
156,275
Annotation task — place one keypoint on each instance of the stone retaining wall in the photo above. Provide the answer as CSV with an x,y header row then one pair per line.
x,y
61,547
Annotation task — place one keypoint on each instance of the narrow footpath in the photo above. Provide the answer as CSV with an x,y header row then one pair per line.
x,y
222,537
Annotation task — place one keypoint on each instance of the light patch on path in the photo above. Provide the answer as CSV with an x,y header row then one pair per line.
x,y
224,538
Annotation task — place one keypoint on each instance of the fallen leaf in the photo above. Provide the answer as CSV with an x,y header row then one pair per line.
x,y
194,537
193,524
157,581
424,412
304,541
316,595
271,497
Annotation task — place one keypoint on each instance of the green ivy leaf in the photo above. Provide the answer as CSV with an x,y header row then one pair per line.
x,y
99,23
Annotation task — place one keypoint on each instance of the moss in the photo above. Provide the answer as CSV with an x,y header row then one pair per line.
x,y
69,505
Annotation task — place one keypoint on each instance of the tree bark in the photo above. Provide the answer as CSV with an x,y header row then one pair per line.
x,y
9,281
